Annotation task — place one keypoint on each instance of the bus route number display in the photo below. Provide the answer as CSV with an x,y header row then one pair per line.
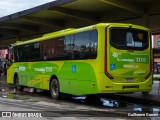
x,y
140,36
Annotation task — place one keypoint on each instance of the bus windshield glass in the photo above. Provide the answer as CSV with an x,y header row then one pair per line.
x,y
129,38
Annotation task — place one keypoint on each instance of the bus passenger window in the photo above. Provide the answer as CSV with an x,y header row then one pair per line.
x,y
80,50
93,44
84,45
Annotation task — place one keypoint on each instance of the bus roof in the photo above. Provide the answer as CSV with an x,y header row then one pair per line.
x,y
70,31
55,34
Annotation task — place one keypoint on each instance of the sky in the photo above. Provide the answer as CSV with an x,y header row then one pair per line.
x,y
8,7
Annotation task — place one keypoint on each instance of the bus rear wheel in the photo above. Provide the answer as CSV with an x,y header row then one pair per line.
x,y
55,89
145,93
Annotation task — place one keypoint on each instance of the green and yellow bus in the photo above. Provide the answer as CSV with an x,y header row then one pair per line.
x,y
98,59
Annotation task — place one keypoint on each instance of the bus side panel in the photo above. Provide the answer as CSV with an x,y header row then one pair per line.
x,y
49,69
21,69
83,78
24,73
63,75
43,71
10,74
45,83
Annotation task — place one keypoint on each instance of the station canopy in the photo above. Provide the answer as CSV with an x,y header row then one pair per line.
x,y
62,14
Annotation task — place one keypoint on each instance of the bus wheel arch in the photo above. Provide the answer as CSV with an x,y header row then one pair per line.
x,y
54,87
16,81
15,78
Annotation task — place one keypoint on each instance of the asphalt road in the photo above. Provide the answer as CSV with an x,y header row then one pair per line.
x,y
15,105
25,105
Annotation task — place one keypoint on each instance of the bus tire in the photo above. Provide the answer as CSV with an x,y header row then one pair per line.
x,y
55,89
16,82
145,93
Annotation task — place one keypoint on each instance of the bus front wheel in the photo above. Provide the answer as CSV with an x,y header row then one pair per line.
x,y
55,89
16,81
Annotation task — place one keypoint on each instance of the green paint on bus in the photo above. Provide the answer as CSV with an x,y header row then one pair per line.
x,y
102,58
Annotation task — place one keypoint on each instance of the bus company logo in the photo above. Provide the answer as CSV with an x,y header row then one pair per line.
x,y
115,55
6,114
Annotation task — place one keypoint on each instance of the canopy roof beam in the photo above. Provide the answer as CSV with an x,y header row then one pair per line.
x,y
77,14
9,32
125,5
20,27
43,21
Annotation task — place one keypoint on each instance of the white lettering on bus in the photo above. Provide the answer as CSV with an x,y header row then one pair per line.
x,y
139,59
39,69
46,69
126,60
22,68
115,55
130,66
139,72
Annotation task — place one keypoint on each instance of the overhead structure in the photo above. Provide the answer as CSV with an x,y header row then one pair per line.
x,y
63,14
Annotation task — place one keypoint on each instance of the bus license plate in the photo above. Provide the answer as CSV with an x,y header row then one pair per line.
x,y
129,79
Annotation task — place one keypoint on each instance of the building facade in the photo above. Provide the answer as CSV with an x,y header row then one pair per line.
x,y
156,55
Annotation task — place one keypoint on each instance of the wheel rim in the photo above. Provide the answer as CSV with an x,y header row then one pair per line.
x,y
55,88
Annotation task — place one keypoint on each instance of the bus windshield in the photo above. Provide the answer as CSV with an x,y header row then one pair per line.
x,y
129,38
